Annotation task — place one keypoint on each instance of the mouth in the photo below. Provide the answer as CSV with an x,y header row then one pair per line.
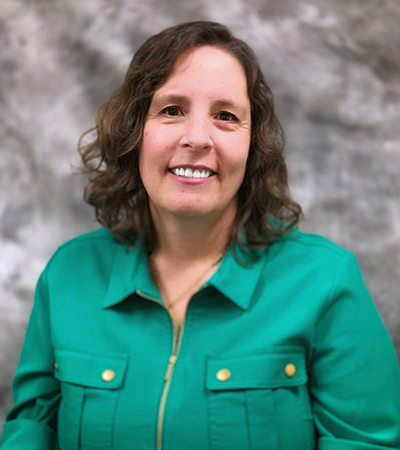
x,y
191,173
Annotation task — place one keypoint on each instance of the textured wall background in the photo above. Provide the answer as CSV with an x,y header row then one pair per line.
x,y
333,65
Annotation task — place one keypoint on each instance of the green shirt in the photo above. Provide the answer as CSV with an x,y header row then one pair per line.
x,y
286,353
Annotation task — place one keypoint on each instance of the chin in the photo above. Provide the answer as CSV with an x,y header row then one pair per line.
x,y
190,211
198,212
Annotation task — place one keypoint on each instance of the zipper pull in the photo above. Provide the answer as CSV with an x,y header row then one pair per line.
x,y
170,367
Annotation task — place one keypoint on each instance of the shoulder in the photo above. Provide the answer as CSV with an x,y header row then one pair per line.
x,y
313,264
308,255
97,247
101,235
297,242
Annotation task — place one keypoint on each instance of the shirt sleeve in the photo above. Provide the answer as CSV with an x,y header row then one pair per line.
x,y
354,374
32,422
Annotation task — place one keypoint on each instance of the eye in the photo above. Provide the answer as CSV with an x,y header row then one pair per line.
x,y
171,111
227,116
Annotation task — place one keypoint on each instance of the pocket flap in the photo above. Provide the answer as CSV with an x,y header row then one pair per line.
x,y
103,372
271,370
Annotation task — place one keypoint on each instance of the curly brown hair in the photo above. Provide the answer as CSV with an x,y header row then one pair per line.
x,y
265,211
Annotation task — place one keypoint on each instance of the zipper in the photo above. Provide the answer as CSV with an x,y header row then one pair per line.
x,y
177,338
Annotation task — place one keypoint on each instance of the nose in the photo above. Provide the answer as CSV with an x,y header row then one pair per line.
x,y
197,132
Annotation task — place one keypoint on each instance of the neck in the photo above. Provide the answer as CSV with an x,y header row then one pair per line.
x,y
186,239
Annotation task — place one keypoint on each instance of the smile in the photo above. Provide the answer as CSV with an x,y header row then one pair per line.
x,y
190,173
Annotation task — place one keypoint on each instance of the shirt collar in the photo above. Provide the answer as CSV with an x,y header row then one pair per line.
x,y
235,280
130,274
237,277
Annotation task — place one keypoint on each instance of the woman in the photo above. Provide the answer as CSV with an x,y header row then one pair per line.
x,y
201,318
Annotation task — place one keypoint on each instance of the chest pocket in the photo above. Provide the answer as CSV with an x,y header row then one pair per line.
x,y
90,386
260,402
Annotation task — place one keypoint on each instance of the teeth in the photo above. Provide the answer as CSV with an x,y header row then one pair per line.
x,y
189,173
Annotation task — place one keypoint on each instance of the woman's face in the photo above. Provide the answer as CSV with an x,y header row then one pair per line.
x,y
197,136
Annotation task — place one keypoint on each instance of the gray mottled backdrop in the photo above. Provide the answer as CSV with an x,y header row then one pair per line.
x,y
334,66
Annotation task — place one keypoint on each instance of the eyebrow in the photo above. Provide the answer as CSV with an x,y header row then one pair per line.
x,y
183,100
169,99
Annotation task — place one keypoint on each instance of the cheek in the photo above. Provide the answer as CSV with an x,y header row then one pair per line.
x,y
236,157
148,152
146,157
156,143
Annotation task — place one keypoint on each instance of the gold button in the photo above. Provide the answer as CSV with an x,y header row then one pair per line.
x,y
223,374
56,366
108,375
290,370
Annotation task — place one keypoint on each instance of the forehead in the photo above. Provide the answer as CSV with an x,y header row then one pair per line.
x,y
206,55
204,68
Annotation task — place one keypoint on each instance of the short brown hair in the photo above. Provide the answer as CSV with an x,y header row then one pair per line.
x,y
265,208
